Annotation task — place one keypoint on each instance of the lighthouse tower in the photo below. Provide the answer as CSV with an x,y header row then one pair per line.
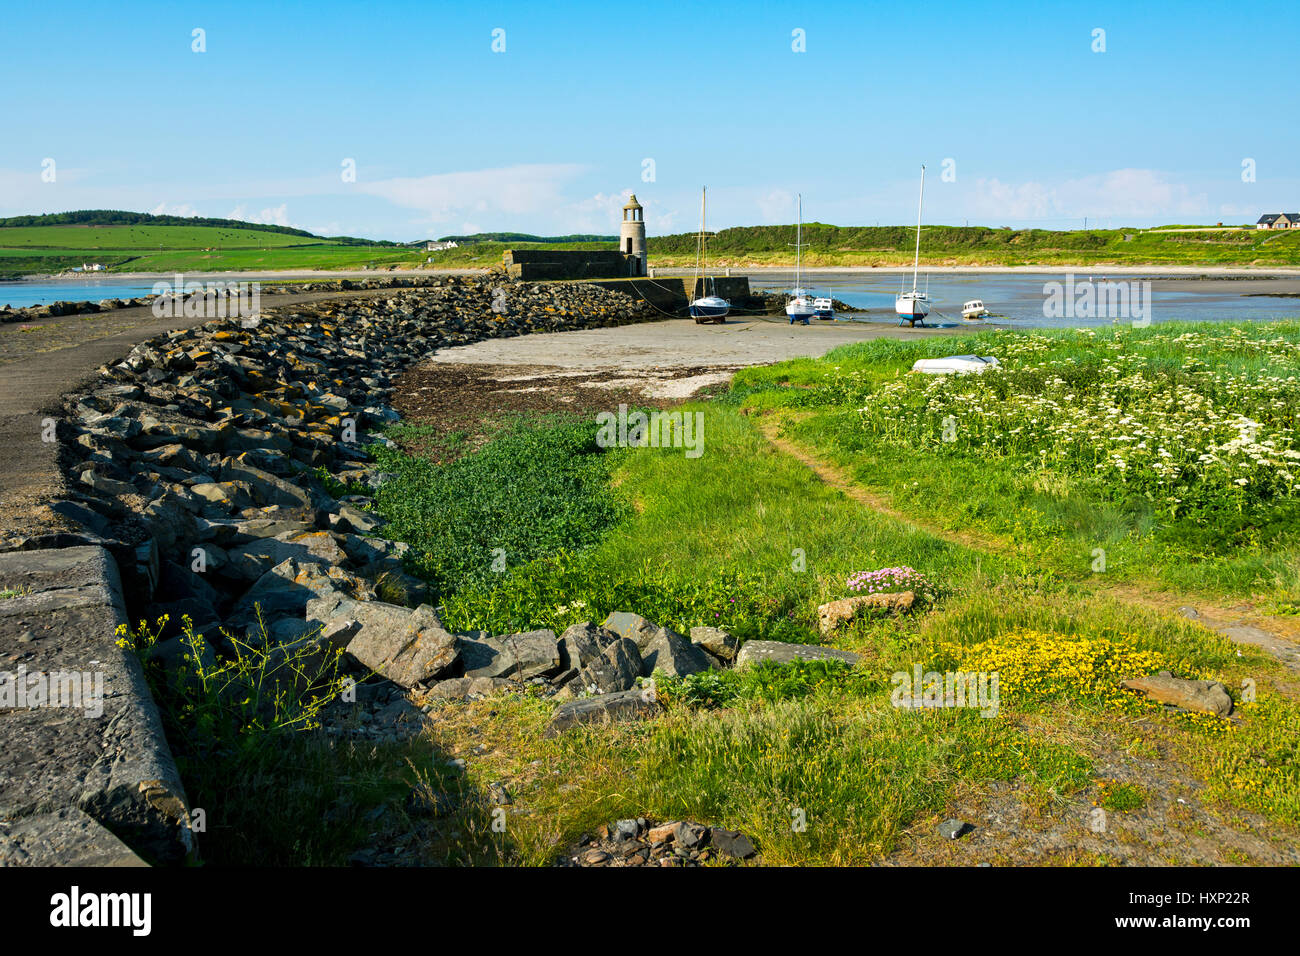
x,y
631,237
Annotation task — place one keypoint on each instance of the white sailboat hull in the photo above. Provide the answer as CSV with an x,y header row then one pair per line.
x,y
912,306
800,310
710,307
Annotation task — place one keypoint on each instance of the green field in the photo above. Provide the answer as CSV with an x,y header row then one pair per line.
x,y
172,248
145,247
838,246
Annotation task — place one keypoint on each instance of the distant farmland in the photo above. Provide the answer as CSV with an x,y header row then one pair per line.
x,y
172,247
168,248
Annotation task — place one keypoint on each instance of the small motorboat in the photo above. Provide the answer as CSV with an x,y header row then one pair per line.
x,y
824,308
974,311
956,364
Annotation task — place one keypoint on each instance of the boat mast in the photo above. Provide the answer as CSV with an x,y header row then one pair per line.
x,y
699,247
917,258
798,243
704,231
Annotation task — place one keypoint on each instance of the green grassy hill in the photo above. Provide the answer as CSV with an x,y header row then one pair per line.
x,y
143,243
975,245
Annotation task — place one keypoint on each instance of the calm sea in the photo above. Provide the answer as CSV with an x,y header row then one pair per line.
x,y
92,289
1019,299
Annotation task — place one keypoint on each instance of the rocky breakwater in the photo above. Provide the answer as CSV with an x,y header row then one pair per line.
x,y
208,460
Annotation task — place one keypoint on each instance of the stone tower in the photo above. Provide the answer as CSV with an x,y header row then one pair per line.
x,y
631,237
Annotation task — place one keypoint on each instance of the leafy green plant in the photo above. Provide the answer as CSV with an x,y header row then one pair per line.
x,y
537,488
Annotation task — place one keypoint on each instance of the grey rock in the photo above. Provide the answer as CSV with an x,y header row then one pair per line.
x,y
408,647
672,654
953,829
632,626
462,688
624,705
580,644
519,656
626,830
717,642
732,843
1199,696
616,669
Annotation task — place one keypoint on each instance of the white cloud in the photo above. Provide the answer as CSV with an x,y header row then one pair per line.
x,y
509,191
777,205
1136,193
174,209
273,216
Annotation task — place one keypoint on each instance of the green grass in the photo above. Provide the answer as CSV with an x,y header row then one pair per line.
x,y
811,761
709,540
977,245
533,490
1055,513
171,248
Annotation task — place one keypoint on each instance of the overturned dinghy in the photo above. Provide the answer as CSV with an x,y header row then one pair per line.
x,y
955,363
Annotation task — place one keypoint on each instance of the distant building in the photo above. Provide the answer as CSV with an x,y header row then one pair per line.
x,y
1279,220
432,246
631,237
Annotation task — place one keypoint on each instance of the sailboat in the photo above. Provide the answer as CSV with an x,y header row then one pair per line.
x,y
914,306
708,307
800,308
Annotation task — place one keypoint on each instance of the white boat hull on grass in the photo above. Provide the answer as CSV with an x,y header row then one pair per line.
x,y
955,364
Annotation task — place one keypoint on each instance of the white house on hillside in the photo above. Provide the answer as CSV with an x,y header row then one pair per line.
x,y
1279,220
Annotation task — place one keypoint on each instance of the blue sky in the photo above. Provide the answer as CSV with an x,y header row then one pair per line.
x,y
550,135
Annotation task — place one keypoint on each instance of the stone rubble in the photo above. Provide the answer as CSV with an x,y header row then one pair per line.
x,y
676,843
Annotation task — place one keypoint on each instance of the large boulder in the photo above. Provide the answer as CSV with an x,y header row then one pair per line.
x,y
407,646
266,488
580,644
521,656
255,558
289,589
624,705
1199,696
755,652
461,688
674,655
831,616
632,626
716,642
616,669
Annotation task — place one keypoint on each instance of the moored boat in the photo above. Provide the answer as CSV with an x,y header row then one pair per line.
x,y
708,307
914,306
799,308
